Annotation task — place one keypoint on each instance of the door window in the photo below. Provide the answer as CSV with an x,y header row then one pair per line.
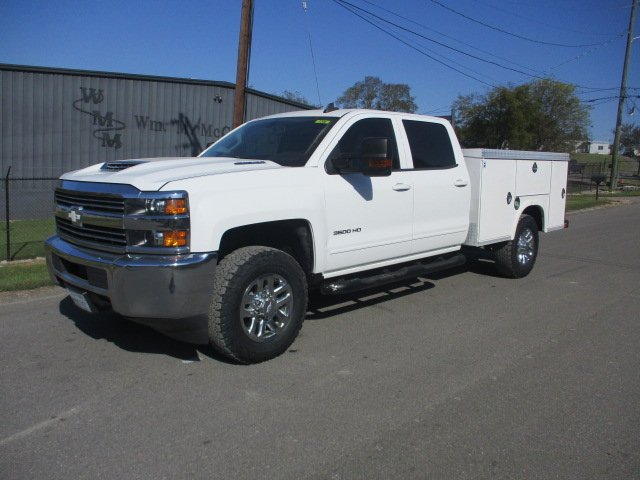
x,y
351,141
430,145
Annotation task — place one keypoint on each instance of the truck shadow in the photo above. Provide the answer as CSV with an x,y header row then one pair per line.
x,y
325,306
134,337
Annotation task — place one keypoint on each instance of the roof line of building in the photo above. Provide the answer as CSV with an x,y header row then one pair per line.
x,y
152,78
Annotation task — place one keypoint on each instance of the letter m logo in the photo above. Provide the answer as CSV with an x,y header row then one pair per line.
x,y
92,95
112,142
103,121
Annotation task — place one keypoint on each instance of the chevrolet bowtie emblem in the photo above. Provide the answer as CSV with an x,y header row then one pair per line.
x,y
75,215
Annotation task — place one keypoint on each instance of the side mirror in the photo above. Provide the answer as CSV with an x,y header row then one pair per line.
x,y
375,157
373,160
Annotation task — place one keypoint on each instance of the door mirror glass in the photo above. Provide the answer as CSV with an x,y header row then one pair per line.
x,y
373,159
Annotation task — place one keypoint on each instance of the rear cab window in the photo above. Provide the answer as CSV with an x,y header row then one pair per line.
x,y
430,145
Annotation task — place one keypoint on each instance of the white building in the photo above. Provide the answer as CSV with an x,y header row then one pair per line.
x,y
599,147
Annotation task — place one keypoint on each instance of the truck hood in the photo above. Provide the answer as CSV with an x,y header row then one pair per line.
x,y
150,174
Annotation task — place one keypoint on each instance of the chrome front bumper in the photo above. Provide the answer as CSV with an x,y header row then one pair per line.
x,y
138,286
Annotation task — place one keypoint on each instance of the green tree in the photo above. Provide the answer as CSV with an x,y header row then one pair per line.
x,y
295,97
540,115
374,94
630,141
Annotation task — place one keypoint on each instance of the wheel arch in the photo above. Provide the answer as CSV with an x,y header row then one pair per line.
x,y
537,212
293,236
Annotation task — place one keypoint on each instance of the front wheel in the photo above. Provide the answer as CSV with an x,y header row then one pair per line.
x,y
258,305
515,259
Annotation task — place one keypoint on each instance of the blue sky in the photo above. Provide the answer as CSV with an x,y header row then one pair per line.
x,y
198,39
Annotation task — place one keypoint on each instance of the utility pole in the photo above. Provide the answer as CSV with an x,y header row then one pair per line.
x,y
621,99
244,53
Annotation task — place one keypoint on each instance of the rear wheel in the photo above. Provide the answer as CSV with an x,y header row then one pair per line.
x,y
516,258
258,305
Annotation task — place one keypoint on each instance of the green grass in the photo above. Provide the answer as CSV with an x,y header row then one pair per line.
x,y
23,276
625,164
26,238
580,202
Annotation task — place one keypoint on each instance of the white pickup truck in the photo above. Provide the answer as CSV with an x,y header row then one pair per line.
x,y
337,200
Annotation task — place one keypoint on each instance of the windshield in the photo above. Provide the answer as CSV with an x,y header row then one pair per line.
x,y
288,141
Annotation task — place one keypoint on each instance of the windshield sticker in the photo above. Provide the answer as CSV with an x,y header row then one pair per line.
x,y
323,122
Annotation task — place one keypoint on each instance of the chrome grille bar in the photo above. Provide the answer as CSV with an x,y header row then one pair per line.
x,y
98,203
94,234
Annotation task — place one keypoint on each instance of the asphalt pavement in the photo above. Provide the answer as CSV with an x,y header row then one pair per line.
x,y
459,375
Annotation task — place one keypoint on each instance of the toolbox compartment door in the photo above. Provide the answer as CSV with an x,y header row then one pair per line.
x,y
533,177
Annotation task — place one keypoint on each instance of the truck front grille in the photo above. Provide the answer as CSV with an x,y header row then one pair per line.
x,y
90,201
79,211
119,218
92,235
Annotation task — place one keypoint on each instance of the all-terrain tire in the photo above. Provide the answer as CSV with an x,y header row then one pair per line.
x,y
258,305
516,258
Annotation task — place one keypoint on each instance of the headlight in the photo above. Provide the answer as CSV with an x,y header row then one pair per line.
x,y
166,206
157,222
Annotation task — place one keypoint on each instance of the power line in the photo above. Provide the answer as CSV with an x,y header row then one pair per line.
x,y
554,4
604,90
352,9
530,19
603,100
450,60
585,53
506,32
450,37
535,74
342,4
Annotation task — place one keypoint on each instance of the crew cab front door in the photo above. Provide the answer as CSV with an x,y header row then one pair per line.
x,y
369,219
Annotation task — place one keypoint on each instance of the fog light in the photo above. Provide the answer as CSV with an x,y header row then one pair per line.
x,y
176,238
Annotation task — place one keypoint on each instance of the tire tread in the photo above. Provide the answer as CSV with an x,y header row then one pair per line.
x,y
506,263
221,321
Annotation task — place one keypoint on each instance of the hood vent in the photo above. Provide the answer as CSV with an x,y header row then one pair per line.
x,y
120,165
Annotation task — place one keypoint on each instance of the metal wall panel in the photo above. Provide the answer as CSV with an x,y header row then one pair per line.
x,y
53,121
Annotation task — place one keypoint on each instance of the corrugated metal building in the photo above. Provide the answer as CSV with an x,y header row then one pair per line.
x,y
56,120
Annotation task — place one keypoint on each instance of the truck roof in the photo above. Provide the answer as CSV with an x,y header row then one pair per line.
x,y
344,111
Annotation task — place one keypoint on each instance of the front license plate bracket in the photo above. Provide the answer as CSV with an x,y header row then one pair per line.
x,y
81,300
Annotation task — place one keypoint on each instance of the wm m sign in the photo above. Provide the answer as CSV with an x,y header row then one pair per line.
x,y
103,121
111,142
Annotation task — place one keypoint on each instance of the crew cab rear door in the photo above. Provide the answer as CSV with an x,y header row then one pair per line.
x,y
368,218
441,185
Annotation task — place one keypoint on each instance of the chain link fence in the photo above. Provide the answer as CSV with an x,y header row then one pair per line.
x,y
26,215
584,177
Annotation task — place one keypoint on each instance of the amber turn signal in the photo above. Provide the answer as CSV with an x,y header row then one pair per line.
x,y
176,238
175,206
381,163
